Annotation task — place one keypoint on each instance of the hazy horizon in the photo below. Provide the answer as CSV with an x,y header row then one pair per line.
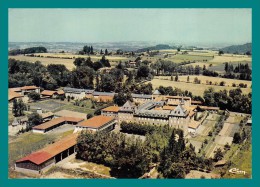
x,y
183,26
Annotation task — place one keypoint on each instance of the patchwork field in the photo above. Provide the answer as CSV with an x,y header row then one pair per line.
x,y
229,129
204,79
62,59
196,89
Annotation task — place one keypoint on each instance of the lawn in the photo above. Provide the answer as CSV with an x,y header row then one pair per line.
x,y
75,108
196,89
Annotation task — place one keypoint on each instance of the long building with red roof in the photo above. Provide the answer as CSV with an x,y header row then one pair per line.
x,y
97,123
56,122
43,159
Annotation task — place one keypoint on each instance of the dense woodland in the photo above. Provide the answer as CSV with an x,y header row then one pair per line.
x,y
28,51
132,157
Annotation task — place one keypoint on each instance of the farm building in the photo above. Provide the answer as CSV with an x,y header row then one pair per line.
x,y
51,93
175,100
97,123
12,96
111,111
193,126
103,96
47,116
68,113
196,102
77,93
42,160
57,122
25,90
141,98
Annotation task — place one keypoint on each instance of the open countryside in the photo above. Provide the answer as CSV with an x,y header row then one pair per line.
x,y
129,109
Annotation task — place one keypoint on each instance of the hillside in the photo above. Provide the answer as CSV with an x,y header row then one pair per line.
x,y
240,49
157,47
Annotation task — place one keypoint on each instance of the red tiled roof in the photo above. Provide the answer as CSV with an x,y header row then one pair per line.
x,y
17,89
50,151
196,102
104,98
46,115
194,124
111,109
29,87
96,122
12,95
60,92
56,121
37,157
48,92
168,107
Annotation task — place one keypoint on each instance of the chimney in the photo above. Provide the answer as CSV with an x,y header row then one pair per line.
x,y
39,111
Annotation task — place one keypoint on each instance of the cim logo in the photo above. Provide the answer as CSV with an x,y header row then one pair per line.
x,y
236,171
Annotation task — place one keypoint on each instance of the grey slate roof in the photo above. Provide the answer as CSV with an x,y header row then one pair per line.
x,y
127,107
103,93
156,92
153,113
179,111
76,90
142,96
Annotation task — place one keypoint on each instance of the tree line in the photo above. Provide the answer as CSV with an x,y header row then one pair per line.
x,y
132,157
28,50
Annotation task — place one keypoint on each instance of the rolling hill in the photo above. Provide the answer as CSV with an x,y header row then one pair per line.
x,y
239,49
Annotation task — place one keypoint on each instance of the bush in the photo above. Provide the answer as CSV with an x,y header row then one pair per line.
x,y
134,128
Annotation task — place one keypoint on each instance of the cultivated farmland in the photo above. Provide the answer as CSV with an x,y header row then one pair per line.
x,y
198,89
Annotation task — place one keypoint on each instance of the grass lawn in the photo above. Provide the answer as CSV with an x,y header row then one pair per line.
x,y
98,168
242,161
72,107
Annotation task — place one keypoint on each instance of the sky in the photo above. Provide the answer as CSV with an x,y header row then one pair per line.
x,y
189,26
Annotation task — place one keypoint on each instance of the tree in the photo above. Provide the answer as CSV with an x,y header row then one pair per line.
x,y
104,61
91,50
106,52
188,79
15,108
34,96
143,71
107,83
21,107
248,53
33,120
220,52
120,99
218,155
171,78
236,138
176,77
89,116
222,83
78,61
